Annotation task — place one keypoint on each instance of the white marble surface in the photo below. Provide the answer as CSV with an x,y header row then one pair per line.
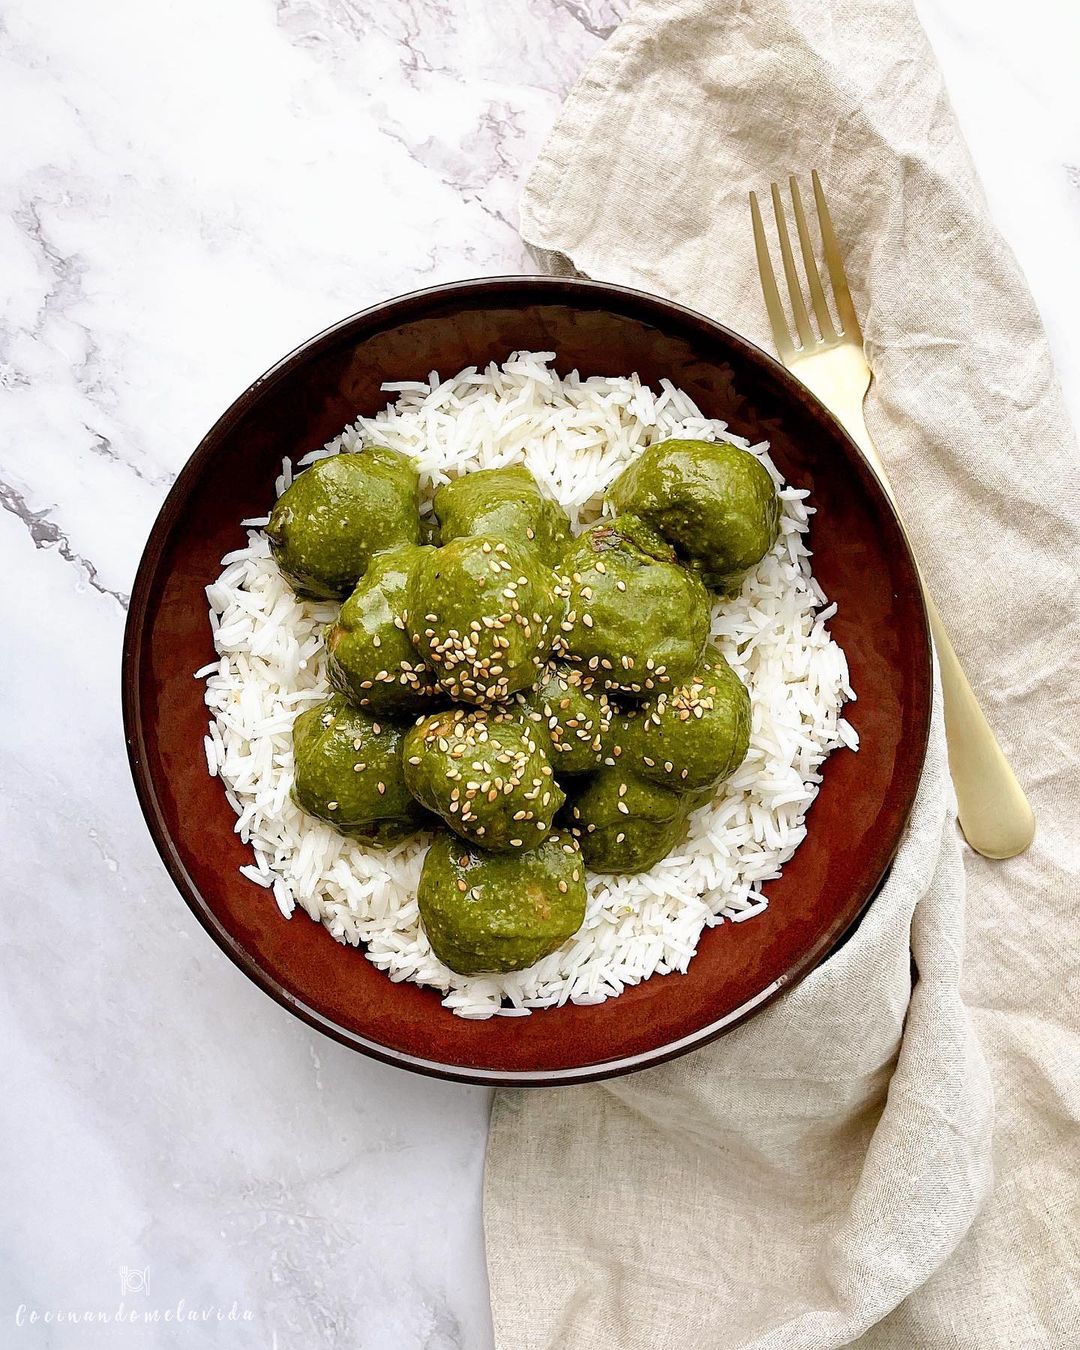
x,y
186,191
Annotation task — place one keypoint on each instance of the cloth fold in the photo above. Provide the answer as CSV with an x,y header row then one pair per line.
x,y
823,1174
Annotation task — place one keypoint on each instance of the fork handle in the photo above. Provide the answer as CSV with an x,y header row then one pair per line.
x,y
994,814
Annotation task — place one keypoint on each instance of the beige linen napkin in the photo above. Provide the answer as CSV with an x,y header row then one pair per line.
x,y
835,1169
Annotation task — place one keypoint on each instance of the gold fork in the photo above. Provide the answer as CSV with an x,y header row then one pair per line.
x,y
994,813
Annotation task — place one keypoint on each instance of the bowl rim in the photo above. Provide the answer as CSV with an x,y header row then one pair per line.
x,y
147,583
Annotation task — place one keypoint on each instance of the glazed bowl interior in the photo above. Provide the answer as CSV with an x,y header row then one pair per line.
x,y
860,558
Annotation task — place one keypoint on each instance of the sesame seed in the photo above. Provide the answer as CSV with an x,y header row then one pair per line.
x,y
331,806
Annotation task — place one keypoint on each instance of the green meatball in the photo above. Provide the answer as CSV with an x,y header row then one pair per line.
x,y
625,823
348,772
506,504
715,502
326,526
576,715
635,617
483,614
499,911
486,774
693,736
371,659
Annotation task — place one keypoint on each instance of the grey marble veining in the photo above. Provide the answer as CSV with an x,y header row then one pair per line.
x,y
187,192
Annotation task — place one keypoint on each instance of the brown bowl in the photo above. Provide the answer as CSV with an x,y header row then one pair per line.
x,y
860,558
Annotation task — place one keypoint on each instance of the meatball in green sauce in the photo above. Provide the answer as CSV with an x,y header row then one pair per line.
x,y
506,504
625,823
636,619
348,773
714,502
371,659
693,736
487,775
337,514
483,614
497,912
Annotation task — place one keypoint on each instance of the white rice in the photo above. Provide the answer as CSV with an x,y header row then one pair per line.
x,y
575,435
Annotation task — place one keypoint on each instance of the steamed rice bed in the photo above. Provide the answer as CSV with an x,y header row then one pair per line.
x,y
575,435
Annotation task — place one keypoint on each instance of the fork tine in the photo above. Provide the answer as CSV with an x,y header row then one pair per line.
x,y
813,277
849,323
777,318
798,308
